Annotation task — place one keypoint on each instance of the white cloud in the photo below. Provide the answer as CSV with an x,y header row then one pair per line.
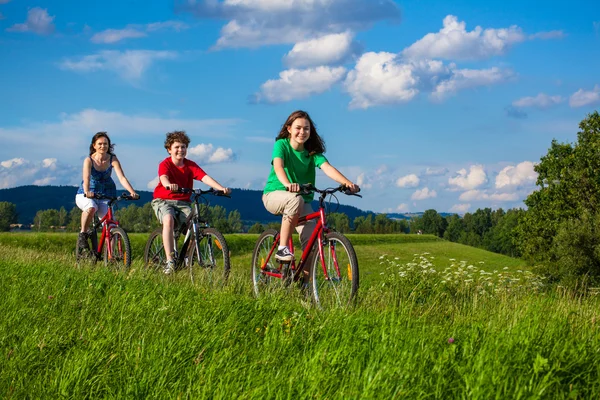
x,y
548,35
462,79
408,181
403,207
479,195
129,64
423,194
436,171
298,84
135,31
38,21
328,49
19,172
541,101
253,23
460,208
469,180
583,98
453,42
386,78
207,154
515,176
116,35
153,183
361,180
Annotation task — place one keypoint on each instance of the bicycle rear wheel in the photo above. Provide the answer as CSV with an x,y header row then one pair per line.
x,y
208,257
120,249
335,284
264,255
154,253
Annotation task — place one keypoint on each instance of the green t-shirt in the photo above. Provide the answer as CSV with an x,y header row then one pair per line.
x,y
299,167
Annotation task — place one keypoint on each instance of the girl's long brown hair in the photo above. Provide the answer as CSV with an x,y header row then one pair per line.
x,y
315,144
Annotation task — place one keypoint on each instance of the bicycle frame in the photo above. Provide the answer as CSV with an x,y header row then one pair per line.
x,y
316,237
107,222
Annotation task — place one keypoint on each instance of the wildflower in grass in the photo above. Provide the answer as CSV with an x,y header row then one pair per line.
x,y
451,340
50,297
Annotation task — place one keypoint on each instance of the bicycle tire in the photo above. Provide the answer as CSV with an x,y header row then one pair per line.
x,y
339,287
261,254
214,259
120,249
154,254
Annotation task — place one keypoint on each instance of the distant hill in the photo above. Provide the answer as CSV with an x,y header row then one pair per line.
x,y
410,215
30,199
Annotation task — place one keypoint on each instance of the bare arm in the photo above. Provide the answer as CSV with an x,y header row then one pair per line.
x,y
122,178
87,171
337,176
282,176
215,185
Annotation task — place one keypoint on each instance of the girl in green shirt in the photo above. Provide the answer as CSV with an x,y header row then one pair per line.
x,y
297,152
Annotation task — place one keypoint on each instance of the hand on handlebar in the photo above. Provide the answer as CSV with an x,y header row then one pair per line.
x,y
173,187
89,195
293,187
352,188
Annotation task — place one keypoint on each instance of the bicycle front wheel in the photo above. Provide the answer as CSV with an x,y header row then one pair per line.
x,y
119,255
209,256
154,254
335,284
264,255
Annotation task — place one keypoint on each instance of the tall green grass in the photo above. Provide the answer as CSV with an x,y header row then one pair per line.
x,y
94,333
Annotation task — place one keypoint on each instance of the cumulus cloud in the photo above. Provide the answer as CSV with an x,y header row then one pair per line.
x,y
460,208
135,31
454,42
298,84
328,49
436,171
19,172
153,183
541,101
584,98
479,195
130,65
38,21
253,23
548,35
408,181
423,194
472,179
207,154
363,182
387,78
403,207
462,79
522,174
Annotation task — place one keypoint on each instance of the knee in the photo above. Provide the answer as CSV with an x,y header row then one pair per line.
x,y
90,211
167,221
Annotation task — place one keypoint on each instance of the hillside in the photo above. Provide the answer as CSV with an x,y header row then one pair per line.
x,y
30,199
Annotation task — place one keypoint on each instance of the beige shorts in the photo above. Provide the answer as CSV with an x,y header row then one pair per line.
x,y
178,209
289,204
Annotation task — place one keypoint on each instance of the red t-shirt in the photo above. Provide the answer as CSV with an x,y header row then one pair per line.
x,y
183,177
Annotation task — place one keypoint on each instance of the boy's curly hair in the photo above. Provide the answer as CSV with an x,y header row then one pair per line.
x,y
176,136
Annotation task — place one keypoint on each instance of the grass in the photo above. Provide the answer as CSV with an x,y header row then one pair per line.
x,y
90,333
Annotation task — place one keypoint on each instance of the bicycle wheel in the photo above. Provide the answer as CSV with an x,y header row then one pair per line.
x,y
264,253
120,249
213,262
154,253
335,284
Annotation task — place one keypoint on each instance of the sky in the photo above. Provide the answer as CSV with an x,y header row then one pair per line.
x,y
424,104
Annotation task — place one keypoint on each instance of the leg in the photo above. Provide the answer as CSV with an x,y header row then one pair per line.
x,y
305,231
289,205
168,225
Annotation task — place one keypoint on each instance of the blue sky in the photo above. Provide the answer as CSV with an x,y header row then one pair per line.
x,y
425,104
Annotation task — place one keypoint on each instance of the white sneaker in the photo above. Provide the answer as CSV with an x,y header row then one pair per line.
x,y
284,255
169,268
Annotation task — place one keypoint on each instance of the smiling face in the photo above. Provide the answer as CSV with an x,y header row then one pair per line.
x,y
101,145
178,151
299,132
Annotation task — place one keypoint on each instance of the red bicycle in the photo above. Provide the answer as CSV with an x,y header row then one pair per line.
x,y
114,245
334,274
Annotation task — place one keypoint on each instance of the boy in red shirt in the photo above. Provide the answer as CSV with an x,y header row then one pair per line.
x,y
176,172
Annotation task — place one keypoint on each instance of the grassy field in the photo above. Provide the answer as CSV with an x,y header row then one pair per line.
x,y
455,323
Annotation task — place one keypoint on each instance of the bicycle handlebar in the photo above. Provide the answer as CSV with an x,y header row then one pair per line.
x,y
200,192
308,188
124,196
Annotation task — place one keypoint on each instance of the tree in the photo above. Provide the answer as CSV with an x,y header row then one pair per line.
x,y
63,217
430,222
74,218
46,219
8,215
256,228
454,229
339,221
567,200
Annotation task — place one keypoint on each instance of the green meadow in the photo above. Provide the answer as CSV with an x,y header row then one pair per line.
x,y
434,319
